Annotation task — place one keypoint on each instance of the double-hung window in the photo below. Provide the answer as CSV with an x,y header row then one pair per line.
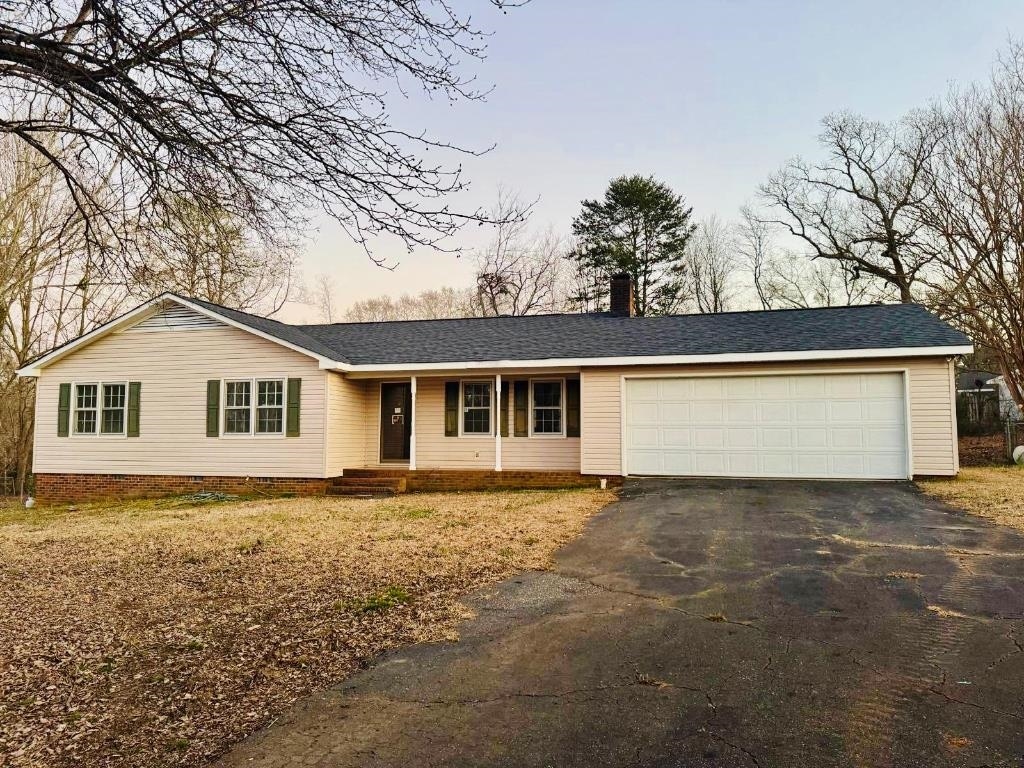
x,y
547,407
86,402
476,407
115,402
254,406
237,407
270,407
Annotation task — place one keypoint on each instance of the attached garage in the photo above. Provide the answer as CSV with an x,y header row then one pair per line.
x,y
834,425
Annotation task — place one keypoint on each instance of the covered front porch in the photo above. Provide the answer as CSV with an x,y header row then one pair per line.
x,y
414,426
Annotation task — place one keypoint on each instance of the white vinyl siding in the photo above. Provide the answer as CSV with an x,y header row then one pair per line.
x,y
932,428
173,368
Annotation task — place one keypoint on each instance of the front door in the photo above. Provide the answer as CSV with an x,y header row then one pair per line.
x,y
395,421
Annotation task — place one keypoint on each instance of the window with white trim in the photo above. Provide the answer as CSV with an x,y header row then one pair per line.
x,y
86,402
270,407
476,407
548,404
254,407
115,407
237,407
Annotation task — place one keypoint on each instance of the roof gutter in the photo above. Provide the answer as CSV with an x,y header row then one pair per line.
x,y
746,357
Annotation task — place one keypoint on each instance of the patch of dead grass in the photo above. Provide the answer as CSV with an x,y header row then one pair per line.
x,y
996,493
157,633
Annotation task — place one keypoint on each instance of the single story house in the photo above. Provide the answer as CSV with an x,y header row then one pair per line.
x,y
979,384
182,394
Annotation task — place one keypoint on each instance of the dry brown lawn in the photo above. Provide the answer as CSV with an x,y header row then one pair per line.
x,y
158,633
993,492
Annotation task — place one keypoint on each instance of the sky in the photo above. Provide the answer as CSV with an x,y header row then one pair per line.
x,y
709,96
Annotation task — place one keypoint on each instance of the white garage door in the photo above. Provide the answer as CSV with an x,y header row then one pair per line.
x,y
824,426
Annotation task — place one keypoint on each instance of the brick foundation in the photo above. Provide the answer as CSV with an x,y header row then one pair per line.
x,y
482,480
65,487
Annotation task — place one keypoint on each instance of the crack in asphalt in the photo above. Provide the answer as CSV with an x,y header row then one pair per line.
x,y
640,682
975,705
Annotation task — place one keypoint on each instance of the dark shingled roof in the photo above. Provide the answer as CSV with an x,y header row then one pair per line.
x,y
554,337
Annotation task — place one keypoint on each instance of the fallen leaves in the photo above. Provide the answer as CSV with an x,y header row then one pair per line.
x,y
158,633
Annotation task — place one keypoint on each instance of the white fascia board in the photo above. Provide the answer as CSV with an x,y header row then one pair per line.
x,y
747,357
135,315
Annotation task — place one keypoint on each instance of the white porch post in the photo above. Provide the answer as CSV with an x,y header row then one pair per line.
x,y
497,423
412,424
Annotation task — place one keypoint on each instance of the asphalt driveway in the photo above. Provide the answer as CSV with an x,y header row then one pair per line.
x,y
711,623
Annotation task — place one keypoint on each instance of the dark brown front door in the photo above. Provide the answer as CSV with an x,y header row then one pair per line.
x,y
395,421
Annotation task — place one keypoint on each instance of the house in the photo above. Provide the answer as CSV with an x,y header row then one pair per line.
x,y
182,394
977,388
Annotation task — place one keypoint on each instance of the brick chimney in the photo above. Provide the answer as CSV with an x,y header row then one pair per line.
x,y
622,295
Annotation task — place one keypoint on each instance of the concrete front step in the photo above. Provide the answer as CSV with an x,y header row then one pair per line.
x,y
361,490
392,484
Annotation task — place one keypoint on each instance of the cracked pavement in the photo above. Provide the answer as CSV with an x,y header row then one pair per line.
x,y
710,623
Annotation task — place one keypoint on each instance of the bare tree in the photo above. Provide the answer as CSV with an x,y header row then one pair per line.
x,y
49,290
257,107
211,254
519,272
755,247
321,297
712,266
976,210
791,281
438,304
858,206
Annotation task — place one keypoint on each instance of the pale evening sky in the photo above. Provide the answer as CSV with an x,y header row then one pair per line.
x,y
710,96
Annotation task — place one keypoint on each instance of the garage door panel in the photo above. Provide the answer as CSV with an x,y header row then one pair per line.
x,y
676,438
812,437
709,437
771,387
818,425
840,411
743,464
809,386
676,413
742,438
649,463
811,465
846,438
645,437
710,464
884,410
771,412
740,412
741,388
677,389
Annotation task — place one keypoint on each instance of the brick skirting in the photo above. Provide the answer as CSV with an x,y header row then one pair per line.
x,y
482,480
64,487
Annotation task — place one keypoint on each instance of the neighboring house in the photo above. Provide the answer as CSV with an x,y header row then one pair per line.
x,y
977,387
180,393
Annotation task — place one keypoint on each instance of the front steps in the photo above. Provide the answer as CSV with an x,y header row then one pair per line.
x,y
366,483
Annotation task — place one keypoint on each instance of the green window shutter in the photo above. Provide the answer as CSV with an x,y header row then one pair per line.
x,y
522,408
134,393
572,407
503,416
294,407
213,408
64,410
451,409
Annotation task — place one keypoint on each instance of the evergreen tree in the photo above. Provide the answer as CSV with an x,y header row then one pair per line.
x,y
641,227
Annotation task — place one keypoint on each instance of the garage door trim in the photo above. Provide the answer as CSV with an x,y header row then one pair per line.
x,y
904,372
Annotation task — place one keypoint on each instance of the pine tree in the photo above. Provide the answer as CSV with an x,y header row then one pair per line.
x,y
641,227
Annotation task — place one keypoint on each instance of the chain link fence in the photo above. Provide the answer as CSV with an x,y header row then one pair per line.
x,y
1014,432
